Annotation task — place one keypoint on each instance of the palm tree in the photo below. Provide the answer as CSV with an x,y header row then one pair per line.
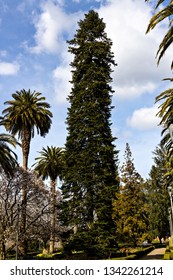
x,y
165,113
50,165
8,159
164,13
26,112
166,108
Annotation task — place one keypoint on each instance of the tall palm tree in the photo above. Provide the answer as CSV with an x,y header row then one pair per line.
x,y
49,165
8,159
165,113
26,112
165,13
166,108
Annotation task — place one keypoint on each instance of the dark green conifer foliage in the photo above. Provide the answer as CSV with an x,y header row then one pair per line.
x,y
91,159
157,195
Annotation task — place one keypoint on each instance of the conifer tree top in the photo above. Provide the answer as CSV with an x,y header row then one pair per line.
x,y
91,27
91,31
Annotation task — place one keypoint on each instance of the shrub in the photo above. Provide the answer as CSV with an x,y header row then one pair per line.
x,y
166,256
168,253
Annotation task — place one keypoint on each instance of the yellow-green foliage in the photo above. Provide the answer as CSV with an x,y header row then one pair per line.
x,y
168,253
166,256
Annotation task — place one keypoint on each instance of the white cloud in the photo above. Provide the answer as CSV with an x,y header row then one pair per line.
x,y
133,89
7,68
51,25
61,76
144,119
137,72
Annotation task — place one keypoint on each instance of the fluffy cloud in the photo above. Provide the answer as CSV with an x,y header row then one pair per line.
x,y
7,68
51,25
61,76
144,119
137,72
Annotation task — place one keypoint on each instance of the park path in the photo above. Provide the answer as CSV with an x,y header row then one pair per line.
x,y
156,254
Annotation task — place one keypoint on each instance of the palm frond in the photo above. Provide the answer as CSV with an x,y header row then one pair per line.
x,y
165,13
159,16
27,109
165,44
159,2
8,158
50,163
164,95
166,114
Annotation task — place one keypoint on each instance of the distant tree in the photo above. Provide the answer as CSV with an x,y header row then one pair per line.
x,y
91,159
166,12
50,165
130,205
157,195
11,206
8,159
41,229
38,204
26,112
9,193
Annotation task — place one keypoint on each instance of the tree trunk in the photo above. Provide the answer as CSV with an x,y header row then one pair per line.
x,y
44,245
52,219
22,237
26,138
3,249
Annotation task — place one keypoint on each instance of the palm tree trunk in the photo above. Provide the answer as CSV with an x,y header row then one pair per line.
x,y
26,138
22,239
52,221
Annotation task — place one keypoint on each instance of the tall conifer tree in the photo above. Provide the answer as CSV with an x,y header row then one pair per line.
x,y
130,206
91,158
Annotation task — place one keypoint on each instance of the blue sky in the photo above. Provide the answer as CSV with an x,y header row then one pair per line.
x,y
34,54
